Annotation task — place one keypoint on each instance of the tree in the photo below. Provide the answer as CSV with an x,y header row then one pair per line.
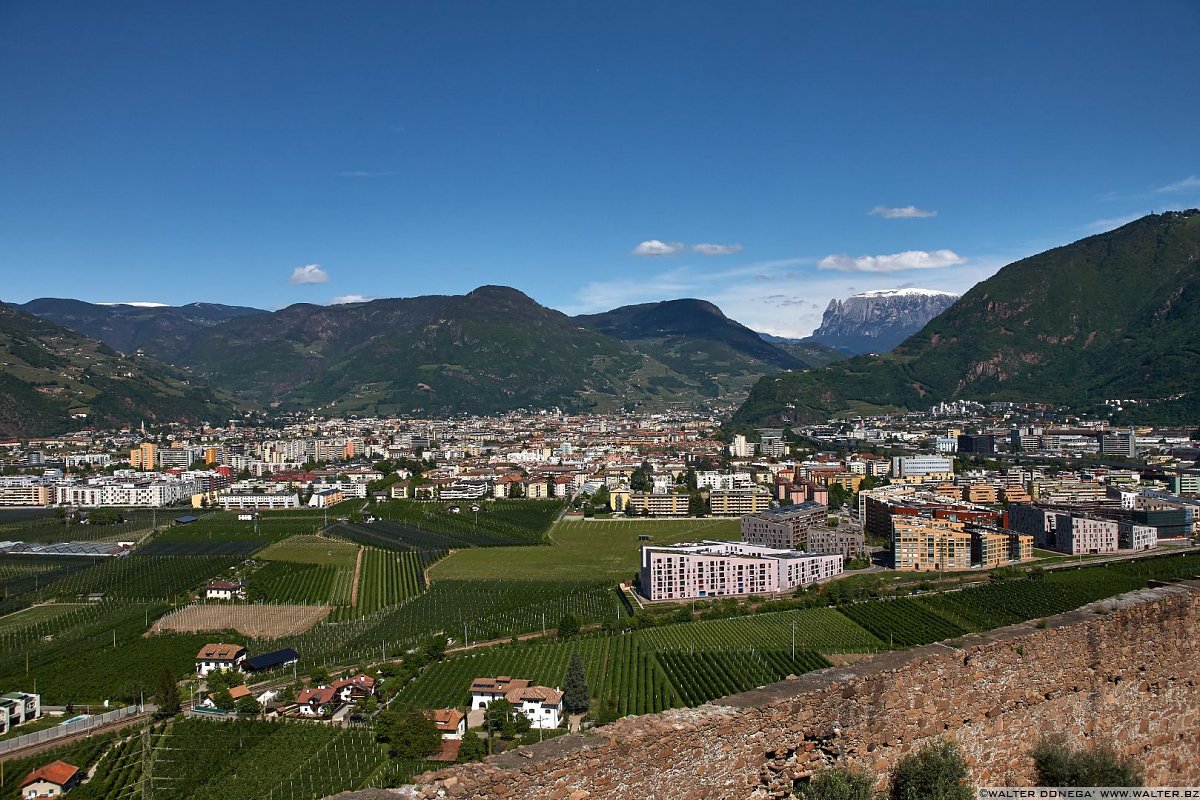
x,y
935,772
434,649
575,688
697,505
408,733
168,693
502,718
472,748
838,783
1058,764
247,705
568,626
222,699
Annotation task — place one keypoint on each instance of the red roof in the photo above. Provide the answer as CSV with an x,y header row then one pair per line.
x,y
56,772
446,719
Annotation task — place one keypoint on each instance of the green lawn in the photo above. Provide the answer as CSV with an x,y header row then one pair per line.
x,y
584,550
307,549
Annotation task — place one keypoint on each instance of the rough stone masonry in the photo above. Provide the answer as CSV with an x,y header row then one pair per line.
x,y
1121,672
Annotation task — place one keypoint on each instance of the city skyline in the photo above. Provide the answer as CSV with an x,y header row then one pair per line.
x,y
766,159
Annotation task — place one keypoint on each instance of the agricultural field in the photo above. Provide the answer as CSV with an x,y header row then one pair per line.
x,y
45,525
201,547
201,759
82,753
310,549
618,670
101,654
225,526
143,577
584,550
286,582
487,609
252,621
902,622
700,676
822,629
387,578
497,523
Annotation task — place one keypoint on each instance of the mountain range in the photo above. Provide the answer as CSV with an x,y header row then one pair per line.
x,y
1113,316
53,379
877,321
493,349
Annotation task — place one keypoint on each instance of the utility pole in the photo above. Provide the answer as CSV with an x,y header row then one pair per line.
x,y
793,640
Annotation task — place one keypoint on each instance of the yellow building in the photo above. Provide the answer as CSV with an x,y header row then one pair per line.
x,y
144,456
1015,494
991,549
211,454
618,499
930,544
658,505
986,493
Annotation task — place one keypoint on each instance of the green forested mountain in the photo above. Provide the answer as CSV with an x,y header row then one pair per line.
x,y
491,350
1111,316
697,341
53,380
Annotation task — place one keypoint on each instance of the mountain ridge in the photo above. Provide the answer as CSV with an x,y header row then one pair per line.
x,y
1110,316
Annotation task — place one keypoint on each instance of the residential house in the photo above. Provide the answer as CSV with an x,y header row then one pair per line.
x,y
17,708
451,723
52,780
224,590
540,704
321,700
219,656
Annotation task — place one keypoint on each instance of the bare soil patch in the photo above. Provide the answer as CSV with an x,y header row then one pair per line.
x,y
255,621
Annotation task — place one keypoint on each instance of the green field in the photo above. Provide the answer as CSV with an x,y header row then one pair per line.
x,y
580,550
309,549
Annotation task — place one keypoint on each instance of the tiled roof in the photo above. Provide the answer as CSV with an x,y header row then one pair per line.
x,y
59,772
446,719
539,694
219,652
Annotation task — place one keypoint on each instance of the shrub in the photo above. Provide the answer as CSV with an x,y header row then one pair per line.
x,y
839,784
1058,764
935,772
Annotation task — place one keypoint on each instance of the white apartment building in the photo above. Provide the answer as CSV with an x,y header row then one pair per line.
x,y
921,466
724,480
1131,536
1081,535
260,502
718,569
149,494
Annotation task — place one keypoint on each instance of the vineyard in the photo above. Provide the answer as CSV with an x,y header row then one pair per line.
x,y
253,760
101,654
387,578
430,526
142,577
285,582
902,622
822,629
82,754
702,676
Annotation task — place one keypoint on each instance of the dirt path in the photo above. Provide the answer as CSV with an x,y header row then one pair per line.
x,y
357,572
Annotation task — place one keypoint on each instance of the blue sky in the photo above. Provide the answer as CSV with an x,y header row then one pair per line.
x,y
271,153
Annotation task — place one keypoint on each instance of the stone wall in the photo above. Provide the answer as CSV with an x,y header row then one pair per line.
x,y
1122,672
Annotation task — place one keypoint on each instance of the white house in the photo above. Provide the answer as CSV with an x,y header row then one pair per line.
x,y
540,704
53,780
219,656
224,590
451,723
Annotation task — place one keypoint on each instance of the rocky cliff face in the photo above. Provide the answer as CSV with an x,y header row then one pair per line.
x,y
877,321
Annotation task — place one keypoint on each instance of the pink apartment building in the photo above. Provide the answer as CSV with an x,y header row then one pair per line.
x,y
719,569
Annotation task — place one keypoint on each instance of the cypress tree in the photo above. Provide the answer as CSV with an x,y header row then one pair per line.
x,y
575,688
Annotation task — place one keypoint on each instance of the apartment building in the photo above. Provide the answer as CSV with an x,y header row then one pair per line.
x,y
144,456
930,545
1078,535
260,502
925,467
737,502
718,569
785,527
1132,536
658,505
25,493
847,542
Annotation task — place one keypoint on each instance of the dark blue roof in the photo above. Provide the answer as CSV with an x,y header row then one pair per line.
x,y
186,519
272,659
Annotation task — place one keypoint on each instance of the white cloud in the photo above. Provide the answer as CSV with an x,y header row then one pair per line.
x,y
653,247
716,249
895,262
309,273
344,299
1190,182
903,212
